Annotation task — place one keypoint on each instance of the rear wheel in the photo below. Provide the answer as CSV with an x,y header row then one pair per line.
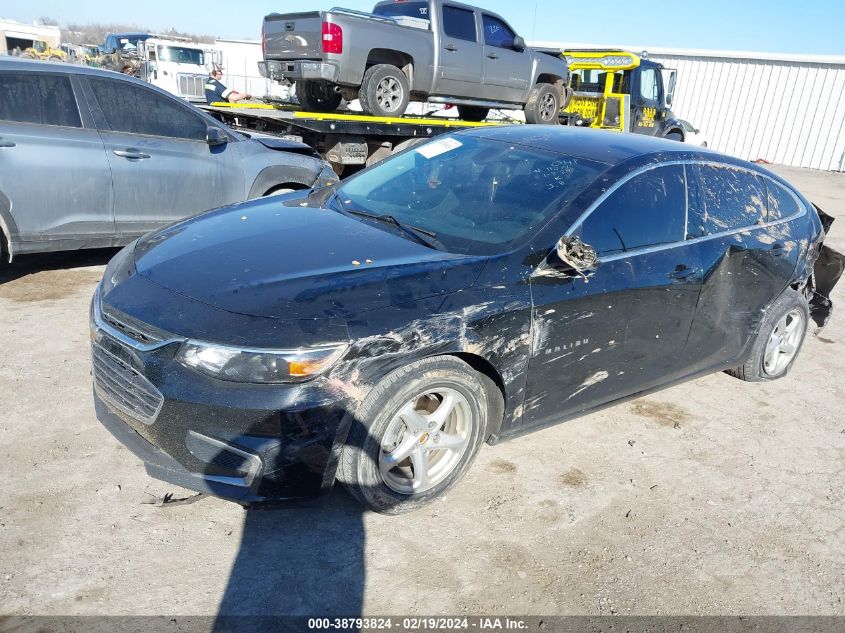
x,y
778,341
317,96
543,105
414,435
473,113
384,91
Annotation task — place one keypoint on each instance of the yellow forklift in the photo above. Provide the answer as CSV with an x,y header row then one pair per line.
x,y
618,90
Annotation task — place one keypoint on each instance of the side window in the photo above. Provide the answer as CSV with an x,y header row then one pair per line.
x,y
497,33
38,98
138,110
781,203
726,199
647,210
459,23
648,85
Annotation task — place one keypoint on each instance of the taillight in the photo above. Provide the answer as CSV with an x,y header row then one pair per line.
x,y
332,38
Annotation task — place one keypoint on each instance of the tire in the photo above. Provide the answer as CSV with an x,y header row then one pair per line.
x,y
472,113
278,191
384,91
789,315
675,136
54,58
543,105
380,430
317,96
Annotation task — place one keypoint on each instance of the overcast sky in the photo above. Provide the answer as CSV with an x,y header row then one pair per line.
x,y
808,27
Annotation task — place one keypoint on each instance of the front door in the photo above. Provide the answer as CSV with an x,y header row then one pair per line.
x,y
460,54
507,71
646,101
625,326
162,167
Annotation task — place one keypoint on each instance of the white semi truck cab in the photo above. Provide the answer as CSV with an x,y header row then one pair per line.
x,y
178,66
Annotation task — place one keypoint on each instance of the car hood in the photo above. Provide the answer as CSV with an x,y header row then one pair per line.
x,y
275,258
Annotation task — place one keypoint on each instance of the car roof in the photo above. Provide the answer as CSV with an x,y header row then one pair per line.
x,y
34,65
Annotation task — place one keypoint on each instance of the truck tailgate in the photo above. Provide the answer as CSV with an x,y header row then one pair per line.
x,y
293,35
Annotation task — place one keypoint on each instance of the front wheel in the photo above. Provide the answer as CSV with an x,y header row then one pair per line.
x,y
317,96
543,105
778,341
414,435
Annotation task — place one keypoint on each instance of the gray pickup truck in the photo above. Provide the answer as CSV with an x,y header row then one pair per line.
x,y
425,50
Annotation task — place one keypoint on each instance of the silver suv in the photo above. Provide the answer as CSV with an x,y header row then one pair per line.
x,y
92,158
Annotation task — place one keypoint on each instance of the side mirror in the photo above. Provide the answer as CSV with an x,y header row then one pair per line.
x,y
574,253
215,136
518,44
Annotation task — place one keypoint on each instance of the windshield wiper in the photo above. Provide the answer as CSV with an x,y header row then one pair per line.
x,y
417,233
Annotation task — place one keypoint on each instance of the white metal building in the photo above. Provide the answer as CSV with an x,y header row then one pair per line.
x,y
782,108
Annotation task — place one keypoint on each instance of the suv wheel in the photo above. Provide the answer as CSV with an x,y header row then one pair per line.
x,y
778,341
414,435
384,91
543,105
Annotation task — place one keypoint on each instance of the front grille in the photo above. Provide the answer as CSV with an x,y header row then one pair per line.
x,y
141,332
191,86
123,387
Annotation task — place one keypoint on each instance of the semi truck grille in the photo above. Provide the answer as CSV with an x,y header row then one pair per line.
x,y
123,387
191,86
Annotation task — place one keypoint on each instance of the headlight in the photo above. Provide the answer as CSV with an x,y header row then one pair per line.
x,y
326,177
259,365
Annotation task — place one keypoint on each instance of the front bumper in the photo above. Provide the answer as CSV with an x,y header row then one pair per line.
x,y
294,70
247,443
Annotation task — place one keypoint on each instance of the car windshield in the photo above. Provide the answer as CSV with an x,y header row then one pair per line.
x,y
478,196
181,55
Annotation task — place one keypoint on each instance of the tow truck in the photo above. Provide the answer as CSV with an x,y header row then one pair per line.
x,y
347,140
619,90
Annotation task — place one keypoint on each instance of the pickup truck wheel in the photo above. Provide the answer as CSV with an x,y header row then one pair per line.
x,y
543,105
384,91
414,435
778,340
317,96
473,113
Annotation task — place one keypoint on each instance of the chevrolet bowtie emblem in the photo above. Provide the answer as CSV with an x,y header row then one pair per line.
x,y
290,38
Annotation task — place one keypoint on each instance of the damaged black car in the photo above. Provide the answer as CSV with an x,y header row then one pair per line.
x,y
470,289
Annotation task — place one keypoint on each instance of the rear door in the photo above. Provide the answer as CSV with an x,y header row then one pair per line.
x,y
460,53
625,326
747,262
507,72
162,167
53,167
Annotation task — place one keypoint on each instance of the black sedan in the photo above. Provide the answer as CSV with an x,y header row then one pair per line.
x,y
473,288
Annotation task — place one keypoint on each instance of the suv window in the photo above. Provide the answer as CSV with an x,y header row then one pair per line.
x,y
459,23
497,33
781,203
647,210
725,199
138,110
38,98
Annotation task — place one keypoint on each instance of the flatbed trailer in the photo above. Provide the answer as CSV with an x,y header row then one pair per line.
x,y
348,141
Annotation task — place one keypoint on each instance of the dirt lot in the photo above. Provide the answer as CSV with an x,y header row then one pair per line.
x,y
714,497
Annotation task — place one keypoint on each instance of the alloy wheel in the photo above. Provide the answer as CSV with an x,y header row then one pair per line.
x,y
783,342
389,94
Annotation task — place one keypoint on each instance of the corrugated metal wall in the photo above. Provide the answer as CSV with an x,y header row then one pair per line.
x,y
786,111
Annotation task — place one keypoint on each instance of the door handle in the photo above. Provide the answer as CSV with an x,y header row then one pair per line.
x,y
6,143
450,47
682,272
492,56
131,153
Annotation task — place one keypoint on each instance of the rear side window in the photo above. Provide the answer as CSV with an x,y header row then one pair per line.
x,y
137,110
497,33
726,199
781,203
648,210
459,23
407,9
38,98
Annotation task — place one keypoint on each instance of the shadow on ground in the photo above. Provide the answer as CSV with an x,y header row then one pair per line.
x,y
24,265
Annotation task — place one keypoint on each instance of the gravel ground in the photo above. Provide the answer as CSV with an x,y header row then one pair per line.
x,y
713,497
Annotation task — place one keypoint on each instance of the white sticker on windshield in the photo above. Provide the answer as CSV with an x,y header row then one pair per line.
x,y
430,150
